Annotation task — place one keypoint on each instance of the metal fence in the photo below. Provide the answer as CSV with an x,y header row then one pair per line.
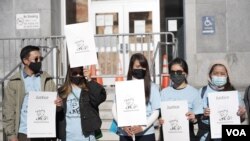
x,y
112,50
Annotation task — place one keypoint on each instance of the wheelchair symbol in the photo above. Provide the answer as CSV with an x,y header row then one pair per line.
x,y
208,22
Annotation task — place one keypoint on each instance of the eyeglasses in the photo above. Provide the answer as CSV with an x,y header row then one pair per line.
x,y
37,59
179,72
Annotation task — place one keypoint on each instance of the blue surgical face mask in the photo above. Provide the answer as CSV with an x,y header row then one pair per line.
x,y
219,80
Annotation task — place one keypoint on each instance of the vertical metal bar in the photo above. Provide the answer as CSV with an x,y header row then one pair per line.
x,y
3,58
111,51
124,50
141,41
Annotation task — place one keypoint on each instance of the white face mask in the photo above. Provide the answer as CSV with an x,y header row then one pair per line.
x,y
219,80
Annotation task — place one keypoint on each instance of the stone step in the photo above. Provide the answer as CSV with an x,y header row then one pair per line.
x,y
109,136
107,105
106,124
106,114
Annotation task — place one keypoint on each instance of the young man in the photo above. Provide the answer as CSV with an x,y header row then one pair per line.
x,y
15,101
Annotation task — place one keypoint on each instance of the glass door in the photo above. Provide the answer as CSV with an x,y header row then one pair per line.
x,y
112,22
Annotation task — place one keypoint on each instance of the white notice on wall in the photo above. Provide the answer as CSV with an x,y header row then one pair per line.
x,y
140,26
108,30
28,21
172,25
99,20
109,20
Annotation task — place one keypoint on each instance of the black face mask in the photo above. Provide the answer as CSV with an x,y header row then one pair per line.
x,y
35,67
76,80
178,78
138,73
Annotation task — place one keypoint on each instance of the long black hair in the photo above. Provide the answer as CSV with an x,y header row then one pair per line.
x,y
147,79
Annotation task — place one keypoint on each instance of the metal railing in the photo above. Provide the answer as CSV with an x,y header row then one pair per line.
x,y
111,50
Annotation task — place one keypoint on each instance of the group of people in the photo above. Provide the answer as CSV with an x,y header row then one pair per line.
x,y
77,115
179,89
78,99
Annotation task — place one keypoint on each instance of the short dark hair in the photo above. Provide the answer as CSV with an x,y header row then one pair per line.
x,y
25,52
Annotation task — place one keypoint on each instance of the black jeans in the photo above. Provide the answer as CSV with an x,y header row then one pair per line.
x,y
23,137
150,137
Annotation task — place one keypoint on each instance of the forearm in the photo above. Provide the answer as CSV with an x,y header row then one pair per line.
x,y
151,120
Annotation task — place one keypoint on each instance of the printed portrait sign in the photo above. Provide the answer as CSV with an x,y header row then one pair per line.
x,y
80,44
176,125
130,103
41,114
223,111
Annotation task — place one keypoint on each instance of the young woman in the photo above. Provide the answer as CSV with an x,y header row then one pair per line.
x,y
139,69
218,80
78,120
181,90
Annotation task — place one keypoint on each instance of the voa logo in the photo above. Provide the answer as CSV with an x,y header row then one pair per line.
x,y
236,132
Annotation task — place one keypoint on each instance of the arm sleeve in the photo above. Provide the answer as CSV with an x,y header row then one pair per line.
x,y
97,93
153,117
9,114
197,104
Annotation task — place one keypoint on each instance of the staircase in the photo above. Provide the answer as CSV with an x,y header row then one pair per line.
x,y
106,116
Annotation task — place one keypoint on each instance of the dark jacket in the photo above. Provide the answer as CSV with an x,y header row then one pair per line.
x,y
89,111
247,102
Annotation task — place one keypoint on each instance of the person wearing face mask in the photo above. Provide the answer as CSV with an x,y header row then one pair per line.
x,y
15,100
139,69
218,80
181,90
78,119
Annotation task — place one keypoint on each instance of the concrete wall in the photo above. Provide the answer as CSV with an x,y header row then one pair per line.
x,y
49,17
230,41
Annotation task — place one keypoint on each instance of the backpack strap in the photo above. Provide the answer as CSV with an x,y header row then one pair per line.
x,y
203,90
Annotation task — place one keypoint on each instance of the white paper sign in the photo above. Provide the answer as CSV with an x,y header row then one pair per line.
x,y
140,26
99,20
130,102
108,30
81,44
41,114
176,125
172,25
28,21
109,20
223,110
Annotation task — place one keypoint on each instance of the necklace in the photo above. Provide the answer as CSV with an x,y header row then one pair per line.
x,y
75,95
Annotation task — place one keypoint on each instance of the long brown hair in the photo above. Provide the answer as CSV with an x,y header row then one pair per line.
x,y
66,88
147,79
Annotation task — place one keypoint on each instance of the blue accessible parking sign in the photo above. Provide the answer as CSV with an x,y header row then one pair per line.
x,y
208,25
